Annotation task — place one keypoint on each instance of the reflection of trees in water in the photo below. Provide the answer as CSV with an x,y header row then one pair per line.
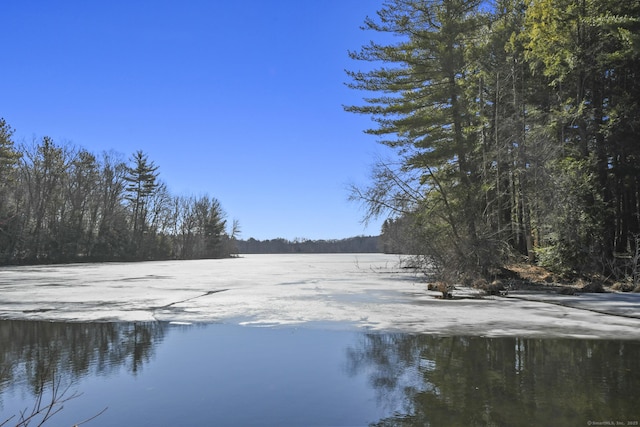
x,y
502,381
35,352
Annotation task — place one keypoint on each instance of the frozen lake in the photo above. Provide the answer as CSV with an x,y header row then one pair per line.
x,y
318,340
351,291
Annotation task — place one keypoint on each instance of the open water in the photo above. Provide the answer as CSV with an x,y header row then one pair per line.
x,y
163,374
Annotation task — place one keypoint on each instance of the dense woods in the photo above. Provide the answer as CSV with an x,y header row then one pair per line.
x,y
60,203
359,244
515,127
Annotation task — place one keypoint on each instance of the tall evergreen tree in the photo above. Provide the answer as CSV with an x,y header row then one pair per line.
x,y
9,221
8,154
425,114
142,182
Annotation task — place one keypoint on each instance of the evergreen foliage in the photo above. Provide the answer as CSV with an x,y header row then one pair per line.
x,y
515,127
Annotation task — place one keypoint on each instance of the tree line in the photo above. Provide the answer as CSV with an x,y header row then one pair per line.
x,y
61,203
358,244
514,126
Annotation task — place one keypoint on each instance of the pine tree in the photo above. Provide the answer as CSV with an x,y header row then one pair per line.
x,y
9,224
423,111
142,183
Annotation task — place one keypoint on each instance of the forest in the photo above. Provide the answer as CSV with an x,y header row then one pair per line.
x,y
513,128
358,244
60,203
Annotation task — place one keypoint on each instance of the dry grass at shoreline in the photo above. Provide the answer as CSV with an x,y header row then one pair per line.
x,y
531,277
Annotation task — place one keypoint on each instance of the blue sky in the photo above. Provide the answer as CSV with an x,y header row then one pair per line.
x,y
240,100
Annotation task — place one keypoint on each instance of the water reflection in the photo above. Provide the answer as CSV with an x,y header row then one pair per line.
x,y
158,374
505,381
34,353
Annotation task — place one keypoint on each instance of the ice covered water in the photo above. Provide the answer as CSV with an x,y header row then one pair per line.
x,y
369,291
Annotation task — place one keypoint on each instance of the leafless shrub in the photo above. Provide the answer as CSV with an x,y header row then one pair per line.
x,y
625,267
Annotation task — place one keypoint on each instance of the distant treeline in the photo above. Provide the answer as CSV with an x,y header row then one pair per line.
x,y
360,244
60,203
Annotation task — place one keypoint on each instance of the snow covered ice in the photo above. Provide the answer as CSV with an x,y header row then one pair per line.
x,y
336,290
